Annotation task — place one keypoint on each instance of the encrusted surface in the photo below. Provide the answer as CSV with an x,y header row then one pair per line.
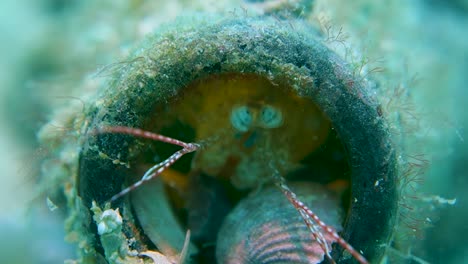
x,y
169,61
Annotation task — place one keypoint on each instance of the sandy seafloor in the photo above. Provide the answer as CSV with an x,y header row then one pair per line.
x,y
47,45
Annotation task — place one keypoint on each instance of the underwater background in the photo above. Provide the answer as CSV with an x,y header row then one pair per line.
x,y
52,49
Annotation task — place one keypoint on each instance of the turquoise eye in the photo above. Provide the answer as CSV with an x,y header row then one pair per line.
x,y
241,118
270,117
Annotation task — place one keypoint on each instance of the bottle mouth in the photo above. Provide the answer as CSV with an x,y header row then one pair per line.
x,y
259,97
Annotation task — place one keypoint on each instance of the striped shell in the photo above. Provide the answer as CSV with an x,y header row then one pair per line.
x,y
266,228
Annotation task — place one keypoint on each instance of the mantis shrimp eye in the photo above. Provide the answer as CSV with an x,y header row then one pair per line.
x,y
241,118
270,117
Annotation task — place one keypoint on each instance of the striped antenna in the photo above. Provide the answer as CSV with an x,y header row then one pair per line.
x,y
312,221
156,169
315,225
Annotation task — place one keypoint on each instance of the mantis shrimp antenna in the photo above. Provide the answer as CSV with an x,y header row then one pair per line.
x,y
315,225
158,168
313,222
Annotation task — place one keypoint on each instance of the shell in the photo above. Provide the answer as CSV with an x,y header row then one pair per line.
x,y
266,228
153,210
151,92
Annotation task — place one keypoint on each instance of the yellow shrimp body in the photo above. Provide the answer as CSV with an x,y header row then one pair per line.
x,y
252,123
